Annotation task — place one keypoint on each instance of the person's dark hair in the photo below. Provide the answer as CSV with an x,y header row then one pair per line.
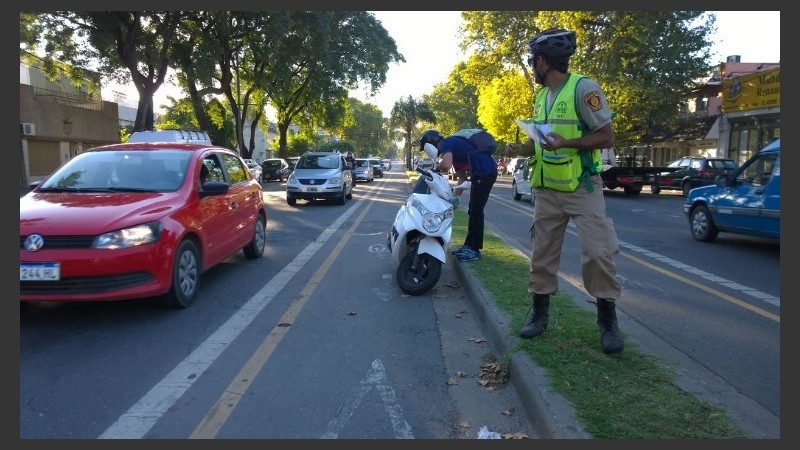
x,y
430,136
203,173
555,45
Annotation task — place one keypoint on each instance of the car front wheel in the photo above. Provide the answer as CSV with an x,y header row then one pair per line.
x,y
702,225
185,276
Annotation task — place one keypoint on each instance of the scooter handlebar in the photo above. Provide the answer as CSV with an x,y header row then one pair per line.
x,y
424,172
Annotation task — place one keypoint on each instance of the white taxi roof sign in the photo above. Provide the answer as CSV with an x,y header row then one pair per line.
x,y
182,136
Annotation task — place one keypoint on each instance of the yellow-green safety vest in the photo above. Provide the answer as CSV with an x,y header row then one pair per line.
x,y
562,169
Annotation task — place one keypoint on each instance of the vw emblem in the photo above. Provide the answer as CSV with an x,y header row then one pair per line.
x,y
34,242
312,181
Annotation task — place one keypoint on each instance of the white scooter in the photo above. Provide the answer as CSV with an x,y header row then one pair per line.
x,y
421,232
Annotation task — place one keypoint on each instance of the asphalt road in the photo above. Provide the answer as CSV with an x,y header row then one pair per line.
x,y
315,340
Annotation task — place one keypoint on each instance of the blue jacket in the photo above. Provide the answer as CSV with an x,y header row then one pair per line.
x,y
482,163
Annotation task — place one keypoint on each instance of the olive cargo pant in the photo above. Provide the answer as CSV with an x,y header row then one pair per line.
x,y
552,212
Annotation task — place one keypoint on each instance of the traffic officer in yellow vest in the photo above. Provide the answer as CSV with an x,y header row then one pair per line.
x,y
565,176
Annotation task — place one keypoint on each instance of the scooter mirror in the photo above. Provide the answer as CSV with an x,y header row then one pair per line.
x,y
431,151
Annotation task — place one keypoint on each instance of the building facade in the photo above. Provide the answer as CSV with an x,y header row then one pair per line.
x,y
751,111
735,113
58,121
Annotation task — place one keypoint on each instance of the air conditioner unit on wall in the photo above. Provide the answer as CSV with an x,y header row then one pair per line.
x,y
27,129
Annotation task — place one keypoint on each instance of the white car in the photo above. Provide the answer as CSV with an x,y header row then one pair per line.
x,y
521,183
255,169
513,165
426,164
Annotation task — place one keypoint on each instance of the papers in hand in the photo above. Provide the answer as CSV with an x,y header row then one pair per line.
x,y
539,133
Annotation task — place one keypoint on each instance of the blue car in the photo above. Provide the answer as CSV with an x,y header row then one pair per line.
x,y
747,201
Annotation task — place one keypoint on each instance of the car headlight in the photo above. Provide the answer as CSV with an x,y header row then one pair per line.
x,y
335,180
292,180
431,221
129,237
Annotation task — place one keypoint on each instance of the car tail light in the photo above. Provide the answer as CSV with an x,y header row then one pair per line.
x,y
706,173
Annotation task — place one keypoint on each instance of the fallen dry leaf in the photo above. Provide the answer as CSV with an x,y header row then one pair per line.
x,y
452,285
461,373
492,375
477,340
351,313
284,324
517,435
509,412
464,425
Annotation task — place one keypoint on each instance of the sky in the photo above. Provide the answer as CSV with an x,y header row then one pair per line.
x,y
432,52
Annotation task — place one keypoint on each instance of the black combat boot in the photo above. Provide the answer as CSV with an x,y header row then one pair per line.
x,y
610,336
538,321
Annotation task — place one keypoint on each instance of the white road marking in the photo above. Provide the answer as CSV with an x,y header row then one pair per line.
x,y
138,420
376,376
758,295
746,290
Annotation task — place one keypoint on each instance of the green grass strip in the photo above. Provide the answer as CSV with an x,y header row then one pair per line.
x,y
627,396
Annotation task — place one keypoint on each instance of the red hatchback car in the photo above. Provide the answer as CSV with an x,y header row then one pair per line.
x,y
134,220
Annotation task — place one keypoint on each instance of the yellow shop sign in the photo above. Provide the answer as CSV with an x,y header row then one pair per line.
x,y
752,91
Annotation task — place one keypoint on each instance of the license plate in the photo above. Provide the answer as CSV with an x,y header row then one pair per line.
x,y
312,189
40,272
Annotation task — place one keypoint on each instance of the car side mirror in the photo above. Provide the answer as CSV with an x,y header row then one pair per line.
x,y
722,181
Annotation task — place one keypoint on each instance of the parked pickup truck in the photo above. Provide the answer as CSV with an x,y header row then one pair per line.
x,y
631,179
631,172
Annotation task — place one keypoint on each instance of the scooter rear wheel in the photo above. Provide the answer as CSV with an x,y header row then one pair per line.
x,y
420,279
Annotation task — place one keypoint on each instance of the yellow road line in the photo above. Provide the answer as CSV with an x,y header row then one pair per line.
x,y
223,408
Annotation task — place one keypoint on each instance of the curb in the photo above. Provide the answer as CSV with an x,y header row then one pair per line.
x,y
552,415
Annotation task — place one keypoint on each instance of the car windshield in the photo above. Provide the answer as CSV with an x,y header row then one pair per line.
x,y
272,164
318,162
121,170
362,163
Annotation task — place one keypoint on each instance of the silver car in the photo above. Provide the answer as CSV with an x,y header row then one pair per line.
x,y
323,175
255,169
364,170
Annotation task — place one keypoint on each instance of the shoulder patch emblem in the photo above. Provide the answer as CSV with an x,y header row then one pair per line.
x,y
592,100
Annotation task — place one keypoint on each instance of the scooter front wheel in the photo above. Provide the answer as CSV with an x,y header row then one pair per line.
x,y
419,279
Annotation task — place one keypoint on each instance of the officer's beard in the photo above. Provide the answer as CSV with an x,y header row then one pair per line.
x,y
539,78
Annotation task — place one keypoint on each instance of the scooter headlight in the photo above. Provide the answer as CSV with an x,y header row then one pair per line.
x,y
431,221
